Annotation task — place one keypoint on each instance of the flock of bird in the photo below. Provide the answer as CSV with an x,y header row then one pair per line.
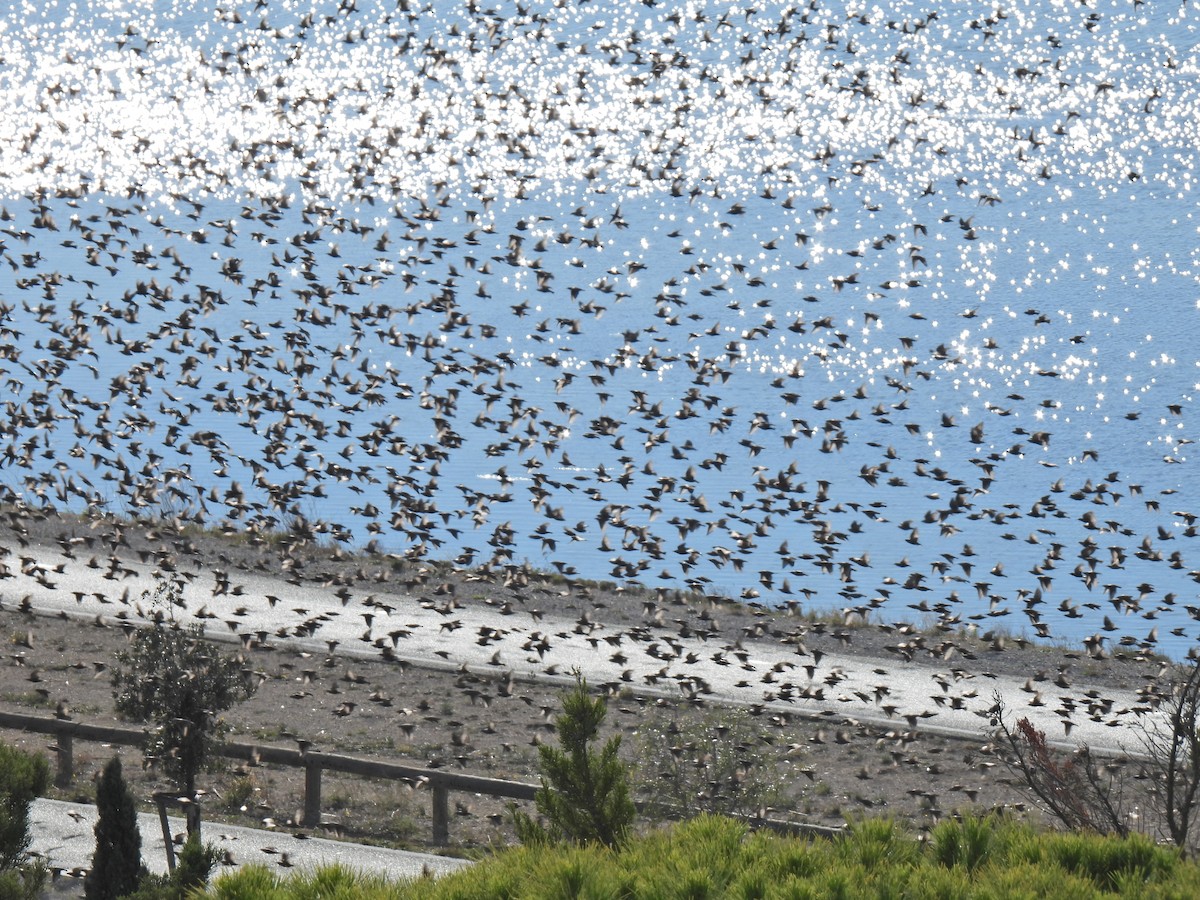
x,y
761,301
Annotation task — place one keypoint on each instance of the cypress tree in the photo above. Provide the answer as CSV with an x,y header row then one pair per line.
x,y
117,862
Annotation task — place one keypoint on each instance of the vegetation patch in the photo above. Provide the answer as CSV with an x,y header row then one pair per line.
x,y
714,857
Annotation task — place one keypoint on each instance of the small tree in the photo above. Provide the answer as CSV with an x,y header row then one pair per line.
x,y
170,676
196,864
23,777
1080,796
714,763
25,882
584,794
117,863
1172,744
1072,786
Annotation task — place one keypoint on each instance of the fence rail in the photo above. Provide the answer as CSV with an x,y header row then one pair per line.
x,y
439,782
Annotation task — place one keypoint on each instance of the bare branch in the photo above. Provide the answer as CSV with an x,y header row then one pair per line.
x,y
1073,789
1172,744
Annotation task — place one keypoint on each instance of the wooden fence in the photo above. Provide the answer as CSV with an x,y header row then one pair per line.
x,y
439,782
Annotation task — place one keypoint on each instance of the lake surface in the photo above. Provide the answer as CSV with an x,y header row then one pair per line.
x,y
859,307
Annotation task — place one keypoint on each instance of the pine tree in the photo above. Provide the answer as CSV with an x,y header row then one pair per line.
x,y
194,865
584,794
23,776
117,863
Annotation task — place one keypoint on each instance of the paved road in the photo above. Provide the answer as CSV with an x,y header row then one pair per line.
x,y
64,834
952,698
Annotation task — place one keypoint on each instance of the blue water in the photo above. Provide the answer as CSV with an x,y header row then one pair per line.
x,y
873,312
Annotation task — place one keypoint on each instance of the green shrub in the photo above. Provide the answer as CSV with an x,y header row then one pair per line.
x,y
1031,882
713,764
968,843
334,882
872,843
795,860
24,882
577,874
1105,862
193,867
714,857
250,882
23,777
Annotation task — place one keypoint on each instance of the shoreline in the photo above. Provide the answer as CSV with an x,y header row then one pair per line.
x,y
520,588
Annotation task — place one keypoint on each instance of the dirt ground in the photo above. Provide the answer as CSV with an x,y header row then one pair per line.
x,y
444,720
824,772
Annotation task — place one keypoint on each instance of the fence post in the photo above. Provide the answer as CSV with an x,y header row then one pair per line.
x,y
161,800
441,815
191,811
66,760
312,793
